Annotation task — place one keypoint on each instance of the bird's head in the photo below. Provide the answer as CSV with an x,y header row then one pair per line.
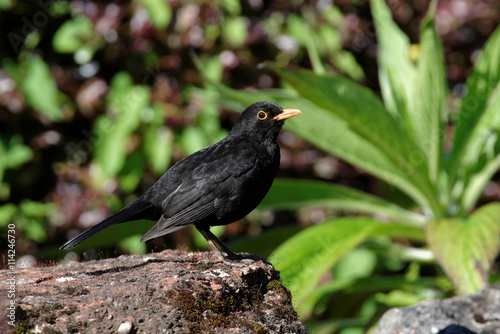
x,y
263,120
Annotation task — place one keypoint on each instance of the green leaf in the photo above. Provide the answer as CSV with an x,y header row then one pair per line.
x,y
36,209
358,263
292,194
232,6
6,4
364,115
234,31
7,213
416,94
34,229
126,102
397,230
159,11
298,28
15,154
313,52
396,71
308,255
133,245
480,85
481,159
399,298
158,145
347,64
157,139
132,172
193,139
427,115
465,248
73,35
40,89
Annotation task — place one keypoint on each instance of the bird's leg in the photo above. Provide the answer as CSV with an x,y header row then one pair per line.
x,y
217,245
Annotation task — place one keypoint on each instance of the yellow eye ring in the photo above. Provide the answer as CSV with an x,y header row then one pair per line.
x,y
262,115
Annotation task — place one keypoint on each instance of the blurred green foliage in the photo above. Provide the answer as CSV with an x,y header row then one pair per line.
x,y
101,98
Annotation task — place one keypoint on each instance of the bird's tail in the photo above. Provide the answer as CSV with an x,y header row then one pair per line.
x,y
133,211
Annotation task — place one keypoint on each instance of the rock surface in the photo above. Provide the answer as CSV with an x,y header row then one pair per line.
x,y
168,292
478,313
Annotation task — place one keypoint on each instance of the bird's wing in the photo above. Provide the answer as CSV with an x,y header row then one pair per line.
x,y
207,178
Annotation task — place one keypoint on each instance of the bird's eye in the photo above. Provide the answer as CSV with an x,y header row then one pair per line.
x,y
262,115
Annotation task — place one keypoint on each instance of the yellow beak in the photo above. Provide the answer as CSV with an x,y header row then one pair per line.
x,y
287,113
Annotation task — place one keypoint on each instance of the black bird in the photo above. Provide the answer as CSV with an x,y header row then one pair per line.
x,y
217,185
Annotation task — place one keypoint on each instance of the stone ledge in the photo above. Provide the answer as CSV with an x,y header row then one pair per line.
x,y
167,292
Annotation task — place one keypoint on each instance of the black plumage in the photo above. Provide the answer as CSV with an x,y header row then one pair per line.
x,y
217,185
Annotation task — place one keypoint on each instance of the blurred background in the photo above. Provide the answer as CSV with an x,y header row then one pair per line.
x,y
69,68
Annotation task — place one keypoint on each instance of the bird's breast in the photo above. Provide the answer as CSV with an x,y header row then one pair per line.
x,y
247,189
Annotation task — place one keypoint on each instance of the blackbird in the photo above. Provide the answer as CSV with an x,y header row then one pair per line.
x,y
217,185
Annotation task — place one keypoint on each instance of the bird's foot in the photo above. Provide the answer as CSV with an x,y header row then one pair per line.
x,y
233,258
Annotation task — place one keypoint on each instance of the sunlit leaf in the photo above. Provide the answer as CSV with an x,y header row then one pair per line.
x,y
41,90
306,256
7,213
73,34
465,248
193,139
133,245
33,228
356,264
6,4
293,194
159,11
126,102
364,115
36,209
427,115
396,71
398,298
481,159
234,31
15,154
480,84
158,145
232,6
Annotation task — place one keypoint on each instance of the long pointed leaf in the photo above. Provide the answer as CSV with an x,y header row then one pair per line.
x,y
366,116
428,112
482,155
396,71
480,84
287,194
305,257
